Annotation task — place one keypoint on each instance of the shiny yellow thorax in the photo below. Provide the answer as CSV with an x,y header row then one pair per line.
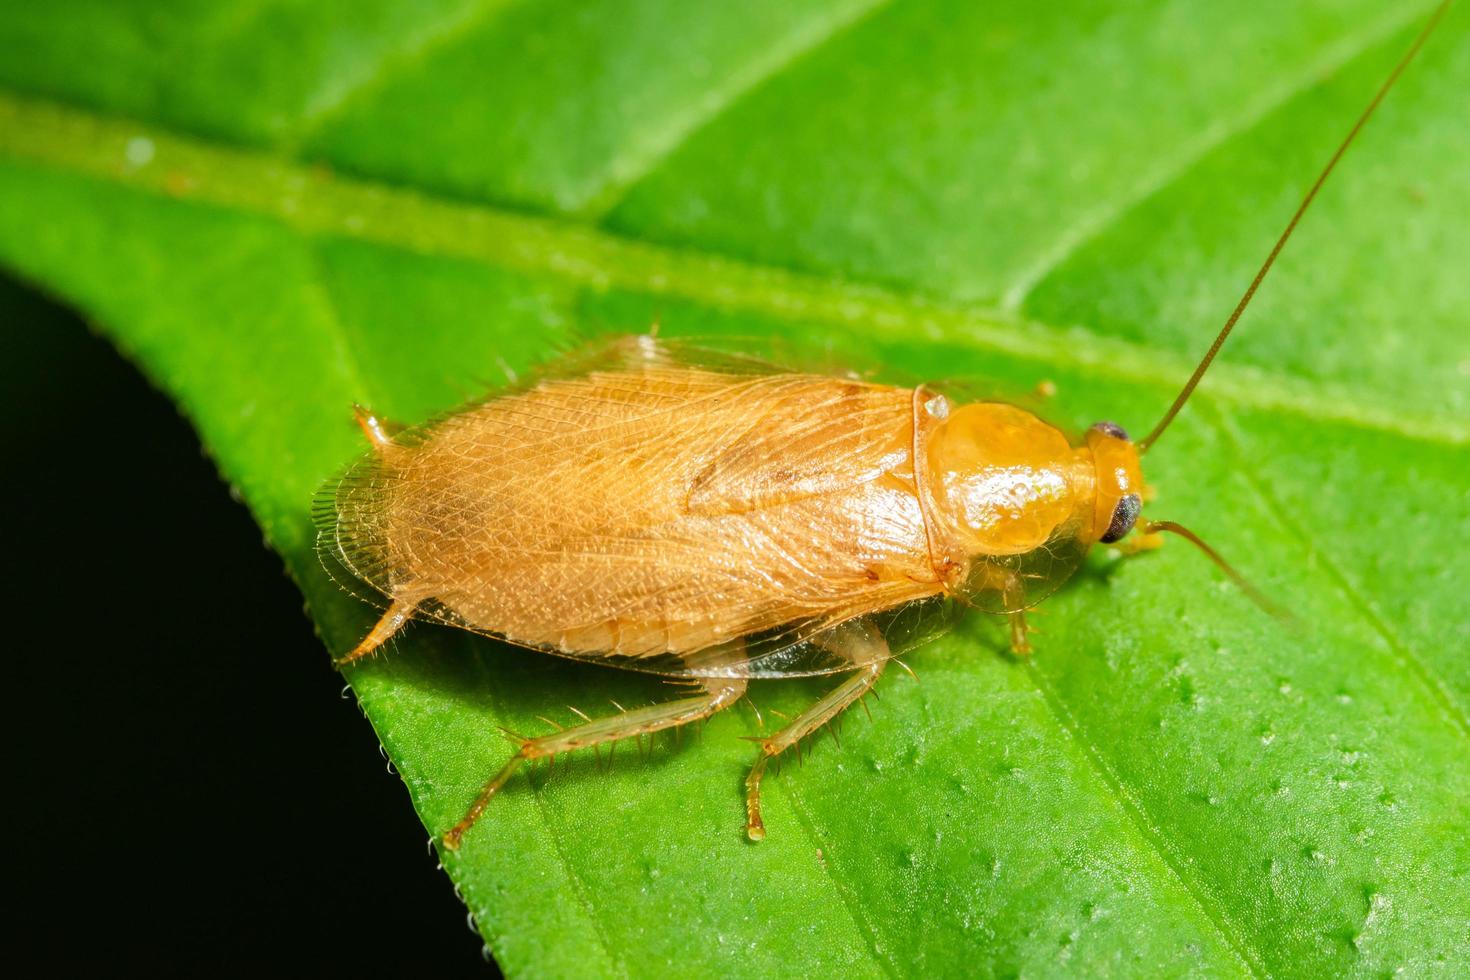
x,y
1003,482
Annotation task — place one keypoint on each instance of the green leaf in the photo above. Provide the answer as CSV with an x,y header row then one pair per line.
x,y
280,207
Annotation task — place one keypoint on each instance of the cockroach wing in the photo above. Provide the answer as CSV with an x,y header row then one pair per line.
x,y
811,436
648,514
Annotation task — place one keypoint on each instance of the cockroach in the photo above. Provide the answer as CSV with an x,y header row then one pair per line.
x,y
717,520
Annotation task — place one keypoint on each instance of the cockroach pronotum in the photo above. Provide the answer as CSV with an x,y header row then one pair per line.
x,y
717,520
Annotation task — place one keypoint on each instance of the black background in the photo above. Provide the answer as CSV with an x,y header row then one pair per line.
x,y
187,792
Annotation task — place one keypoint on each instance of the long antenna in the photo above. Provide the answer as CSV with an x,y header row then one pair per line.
x,y
1254,594
1204,364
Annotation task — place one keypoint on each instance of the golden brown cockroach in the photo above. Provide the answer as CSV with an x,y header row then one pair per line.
x,y
717,520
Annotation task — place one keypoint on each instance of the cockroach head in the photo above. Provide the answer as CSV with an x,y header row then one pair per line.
x,y
1119,481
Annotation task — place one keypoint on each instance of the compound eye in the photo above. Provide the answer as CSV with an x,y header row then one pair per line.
x,y
1113,429
1123,517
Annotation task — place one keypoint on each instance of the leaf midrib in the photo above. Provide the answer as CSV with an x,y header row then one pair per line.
x,y
316,202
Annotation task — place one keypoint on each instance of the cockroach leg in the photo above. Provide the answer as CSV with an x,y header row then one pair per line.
x,y
1013,594
719,693
398,613
857,641
1140,541
809,721
1020,643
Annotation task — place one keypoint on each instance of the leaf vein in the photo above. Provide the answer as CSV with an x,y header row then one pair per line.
x,y
329,101
623,173
1098,220
1150,833
1405,655
854,908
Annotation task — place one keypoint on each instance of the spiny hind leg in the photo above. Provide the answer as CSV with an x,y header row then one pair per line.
x,y
1020,640
1011,587
719,694
1139,541
1013,594
860,643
